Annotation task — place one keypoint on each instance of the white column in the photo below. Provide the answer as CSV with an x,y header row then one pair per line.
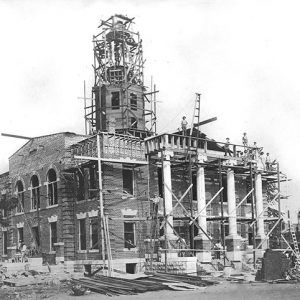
x,y
259,206
201,202
167,192
231,203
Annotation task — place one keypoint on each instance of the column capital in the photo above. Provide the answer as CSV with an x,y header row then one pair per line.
x,y
259,165
230,162
258,172
230,170
167,154
201,158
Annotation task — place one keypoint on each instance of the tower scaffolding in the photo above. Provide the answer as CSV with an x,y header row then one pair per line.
x,y
120,101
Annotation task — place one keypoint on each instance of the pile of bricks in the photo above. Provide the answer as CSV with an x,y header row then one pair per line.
x,y
275,265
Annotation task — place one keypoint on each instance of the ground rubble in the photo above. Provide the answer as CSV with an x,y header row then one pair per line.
x,y
33,284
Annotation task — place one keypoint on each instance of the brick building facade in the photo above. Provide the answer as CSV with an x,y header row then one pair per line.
x,y
58,202
54,179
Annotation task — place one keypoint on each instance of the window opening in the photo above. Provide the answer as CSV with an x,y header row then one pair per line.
x,y
52,187
35,192
133,101
94,234
129,235
53,235
36,235
20,196
127,180
82,235
115,100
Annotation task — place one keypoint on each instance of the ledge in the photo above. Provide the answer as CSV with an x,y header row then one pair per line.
x,y
52,206
94,251
59,244
19,213
81,251
86,200
134,250
12,248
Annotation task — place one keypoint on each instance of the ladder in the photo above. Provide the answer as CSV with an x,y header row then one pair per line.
x,y
196,114
195,121
188,158
296,248
154,230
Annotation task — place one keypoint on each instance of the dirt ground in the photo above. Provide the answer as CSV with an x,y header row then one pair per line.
x,y
223,291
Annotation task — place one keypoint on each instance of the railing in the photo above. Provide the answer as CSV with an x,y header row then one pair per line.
x,y
122,146
113,146
183,142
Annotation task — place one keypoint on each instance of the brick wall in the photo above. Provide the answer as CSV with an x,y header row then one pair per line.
x,y
5,193
36,157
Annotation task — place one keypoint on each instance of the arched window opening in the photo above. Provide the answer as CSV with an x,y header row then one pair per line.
x,y
20,195
35,192
52,187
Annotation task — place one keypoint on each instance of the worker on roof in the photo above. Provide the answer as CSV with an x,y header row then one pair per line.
x,y
254,151
226,147
268,162
184,124
245,139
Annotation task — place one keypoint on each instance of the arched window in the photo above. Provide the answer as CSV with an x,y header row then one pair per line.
x,y
52,187
35,192
20,195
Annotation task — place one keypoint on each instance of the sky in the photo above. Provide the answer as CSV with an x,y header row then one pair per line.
x,y
242,56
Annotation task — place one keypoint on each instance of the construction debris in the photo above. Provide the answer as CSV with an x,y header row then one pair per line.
x,y
274,266
111,286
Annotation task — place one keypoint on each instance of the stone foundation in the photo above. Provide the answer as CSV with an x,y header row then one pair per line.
x,y
204,244
180,265
233,247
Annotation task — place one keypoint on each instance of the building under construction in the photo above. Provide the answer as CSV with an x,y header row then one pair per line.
x,y
124,197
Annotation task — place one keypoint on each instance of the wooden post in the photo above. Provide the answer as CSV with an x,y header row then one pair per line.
x,y
163,195
84,97
253,215
155,126
222,210
101,210
279,202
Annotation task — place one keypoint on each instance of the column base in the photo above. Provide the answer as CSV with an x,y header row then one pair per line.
x,y
165,244
233,247
202,242
261,250
262,239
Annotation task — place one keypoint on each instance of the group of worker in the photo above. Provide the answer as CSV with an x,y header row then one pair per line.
x,y
250,153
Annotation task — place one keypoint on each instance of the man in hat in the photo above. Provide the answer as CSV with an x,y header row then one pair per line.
x,y
184,124
226,147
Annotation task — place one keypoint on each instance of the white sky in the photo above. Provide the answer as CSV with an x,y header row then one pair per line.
x,y
243,56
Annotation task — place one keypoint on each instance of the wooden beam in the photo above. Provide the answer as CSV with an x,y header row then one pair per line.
x,y
206,121
16,136
121,160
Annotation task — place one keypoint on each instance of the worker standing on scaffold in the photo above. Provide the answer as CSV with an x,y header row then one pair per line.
x,y
226,147
268,162
245,140
184,124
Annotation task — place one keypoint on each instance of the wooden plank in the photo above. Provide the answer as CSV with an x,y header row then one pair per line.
x,y
16,136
